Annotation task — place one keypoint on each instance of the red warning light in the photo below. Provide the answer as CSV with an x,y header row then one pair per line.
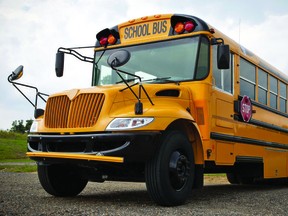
x,y
189,26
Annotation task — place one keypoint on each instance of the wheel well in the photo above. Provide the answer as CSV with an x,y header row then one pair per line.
x,y
193,135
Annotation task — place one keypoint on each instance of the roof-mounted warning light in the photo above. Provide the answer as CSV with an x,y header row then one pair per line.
x,y
107,37
182,25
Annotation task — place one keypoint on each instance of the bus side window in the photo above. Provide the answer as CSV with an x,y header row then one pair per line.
x,y
247,78
223,78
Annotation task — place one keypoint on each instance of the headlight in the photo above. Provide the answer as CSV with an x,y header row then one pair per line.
x,y
34,127
128,123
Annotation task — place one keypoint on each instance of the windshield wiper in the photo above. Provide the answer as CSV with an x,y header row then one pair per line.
x,y
165,79
127,80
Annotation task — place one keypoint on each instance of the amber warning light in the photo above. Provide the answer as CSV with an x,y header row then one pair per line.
x,y
107,37
180,27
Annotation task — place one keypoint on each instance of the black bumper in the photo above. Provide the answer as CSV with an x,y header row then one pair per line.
x,y
133,147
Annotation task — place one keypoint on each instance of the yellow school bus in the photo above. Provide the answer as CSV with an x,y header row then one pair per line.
x,y
171,98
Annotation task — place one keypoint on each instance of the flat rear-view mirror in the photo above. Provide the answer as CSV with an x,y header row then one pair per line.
x,y
223,56
59,64
17,73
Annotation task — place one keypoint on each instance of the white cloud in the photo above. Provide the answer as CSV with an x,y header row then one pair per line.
x,y
265,39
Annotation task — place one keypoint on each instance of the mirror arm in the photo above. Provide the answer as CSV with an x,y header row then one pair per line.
x,y
71,51
140,81
38,94
117,71
15,85
217,41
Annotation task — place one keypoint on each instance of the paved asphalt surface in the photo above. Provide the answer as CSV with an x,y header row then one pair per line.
x,y
21,194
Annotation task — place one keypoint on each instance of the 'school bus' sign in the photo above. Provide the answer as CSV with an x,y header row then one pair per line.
x,y
144,30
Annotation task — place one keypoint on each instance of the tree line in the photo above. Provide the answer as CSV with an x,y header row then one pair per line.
x,y
19,126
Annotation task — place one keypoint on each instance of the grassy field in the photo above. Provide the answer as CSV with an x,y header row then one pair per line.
x,y
13,150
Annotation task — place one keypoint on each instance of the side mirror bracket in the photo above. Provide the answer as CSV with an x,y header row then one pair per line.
x,y
16,74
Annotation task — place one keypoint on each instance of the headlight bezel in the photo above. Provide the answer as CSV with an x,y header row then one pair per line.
x,y
129,123
34,127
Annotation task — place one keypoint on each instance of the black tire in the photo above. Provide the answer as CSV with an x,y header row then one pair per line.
x,y
232,178
170,172
61,180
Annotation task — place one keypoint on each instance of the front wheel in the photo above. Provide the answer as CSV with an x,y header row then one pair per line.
x,y
61,180
170,172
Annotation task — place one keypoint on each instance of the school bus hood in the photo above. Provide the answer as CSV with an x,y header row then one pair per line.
x,y
91,109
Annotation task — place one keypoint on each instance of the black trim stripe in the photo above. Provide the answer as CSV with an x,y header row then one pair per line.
x,y
265,107
252,121
245,140
267,125
249,159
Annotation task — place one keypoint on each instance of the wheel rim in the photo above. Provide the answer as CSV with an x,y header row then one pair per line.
x,y
179,167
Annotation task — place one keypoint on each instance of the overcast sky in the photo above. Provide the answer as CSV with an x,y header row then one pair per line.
x,y
31,31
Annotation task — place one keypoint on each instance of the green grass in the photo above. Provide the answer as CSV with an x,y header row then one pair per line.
x,y
17,168
13,147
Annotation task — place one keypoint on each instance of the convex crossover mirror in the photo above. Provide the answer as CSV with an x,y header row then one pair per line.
x,y
118,58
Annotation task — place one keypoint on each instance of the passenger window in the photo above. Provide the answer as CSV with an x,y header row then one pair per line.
x,y
247,79
283,97
223,78
273,92
262,86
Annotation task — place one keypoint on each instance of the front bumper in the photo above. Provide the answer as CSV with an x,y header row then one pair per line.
x,y
103,147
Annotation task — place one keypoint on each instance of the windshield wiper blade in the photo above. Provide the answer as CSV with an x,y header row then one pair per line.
x,y
161,79
158,79
127,80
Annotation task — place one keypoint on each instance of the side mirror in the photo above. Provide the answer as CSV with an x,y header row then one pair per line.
x,y
17,74
223,56
59,64
118,58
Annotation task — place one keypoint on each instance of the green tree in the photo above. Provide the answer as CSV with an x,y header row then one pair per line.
x,y
19,127
28,124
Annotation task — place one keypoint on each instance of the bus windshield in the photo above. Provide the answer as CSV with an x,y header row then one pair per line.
x,y
167,61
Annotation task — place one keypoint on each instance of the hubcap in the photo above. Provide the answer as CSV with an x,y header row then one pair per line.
x,y
179,167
